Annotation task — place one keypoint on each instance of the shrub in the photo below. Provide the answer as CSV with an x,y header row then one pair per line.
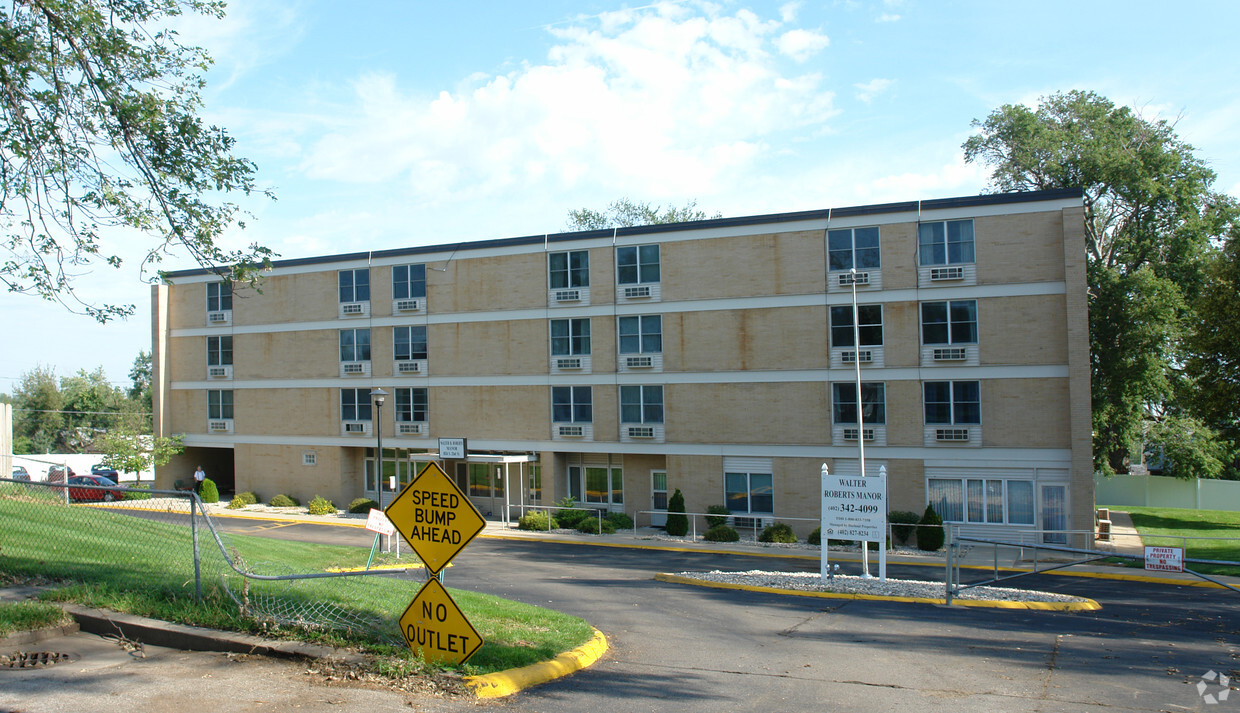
x,y
721,533
362,506
321,506
209,492
930,535
249,497
620,521
591,526
138,491
815,537
713,519
677,523
778,532
570,518
236,503
902,522
537,520
283,501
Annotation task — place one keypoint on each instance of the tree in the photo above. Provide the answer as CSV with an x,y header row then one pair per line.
x,y
1214,343
141,377
92,406
37,418
100,135
1150,216
131,450
677,523
624,213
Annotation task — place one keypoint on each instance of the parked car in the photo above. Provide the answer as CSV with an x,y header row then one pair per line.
x,y
56,473
19,473
103,488
105,471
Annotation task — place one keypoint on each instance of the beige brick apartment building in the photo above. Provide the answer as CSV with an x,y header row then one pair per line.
x,y
716,357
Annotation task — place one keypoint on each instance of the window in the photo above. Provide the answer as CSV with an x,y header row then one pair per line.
x,y
604,485
641,404
641,335
408,281
871,325
947,242
220,404
983,500
569,269
953,402
637,264
219,351
949,322
749,492
572,404
219,296
355,404
873,401
355,285
536,482
853,247
570,337
480,480
410,405
409,343
355,345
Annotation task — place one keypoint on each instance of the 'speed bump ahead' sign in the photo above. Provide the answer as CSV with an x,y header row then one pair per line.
x,y
437,628
434,517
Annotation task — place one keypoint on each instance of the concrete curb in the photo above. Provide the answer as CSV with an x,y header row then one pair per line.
x,y
506,683
180,636
1086,605
34,636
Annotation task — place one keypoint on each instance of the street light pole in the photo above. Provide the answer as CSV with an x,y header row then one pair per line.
x,y
378,395
865,544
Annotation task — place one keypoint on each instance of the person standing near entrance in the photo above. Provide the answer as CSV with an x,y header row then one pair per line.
x,y
199,476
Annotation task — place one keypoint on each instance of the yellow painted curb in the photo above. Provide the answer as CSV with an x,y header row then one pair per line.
x,y
506,683
1086,605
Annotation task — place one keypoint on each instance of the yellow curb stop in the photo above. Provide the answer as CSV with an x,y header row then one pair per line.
x,y
506,683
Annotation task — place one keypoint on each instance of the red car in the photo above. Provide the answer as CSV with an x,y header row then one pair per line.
x,y
106,490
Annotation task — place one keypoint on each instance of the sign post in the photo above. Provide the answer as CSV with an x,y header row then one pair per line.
x,y
437,520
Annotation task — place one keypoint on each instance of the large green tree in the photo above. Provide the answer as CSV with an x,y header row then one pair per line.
x,y
100,137
626,213
38,423
1150,216
1214,342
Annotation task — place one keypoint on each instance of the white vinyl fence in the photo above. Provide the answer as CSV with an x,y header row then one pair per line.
x,y
1161,491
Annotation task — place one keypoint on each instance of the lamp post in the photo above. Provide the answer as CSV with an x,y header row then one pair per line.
x,y
865,544
378,395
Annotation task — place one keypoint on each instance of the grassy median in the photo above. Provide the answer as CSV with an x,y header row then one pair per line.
x,y
105,558
1176,527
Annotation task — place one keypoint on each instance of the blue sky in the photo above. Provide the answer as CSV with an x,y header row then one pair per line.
x,y
389,124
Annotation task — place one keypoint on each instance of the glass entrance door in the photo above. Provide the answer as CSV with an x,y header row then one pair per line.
x,y
658,498
1054,514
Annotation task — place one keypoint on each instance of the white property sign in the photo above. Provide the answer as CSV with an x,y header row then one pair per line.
x,y
1164,559
854,507
378,522
452,448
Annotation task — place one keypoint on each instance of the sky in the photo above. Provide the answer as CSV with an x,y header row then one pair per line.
x,y
384,123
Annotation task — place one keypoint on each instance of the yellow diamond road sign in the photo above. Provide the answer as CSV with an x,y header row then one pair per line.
x,y
434,517
436,626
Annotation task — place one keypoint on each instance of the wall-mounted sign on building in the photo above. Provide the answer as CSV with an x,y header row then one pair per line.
x,y
452,448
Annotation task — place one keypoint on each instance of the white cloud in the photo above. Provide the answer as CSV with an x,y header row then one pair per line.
x,y
666,99
800,45
888,17
788,11
867,91
953,178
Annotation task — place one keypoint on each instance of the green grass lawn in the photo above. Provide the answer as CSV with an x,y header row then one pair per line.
x,y
1166,527
112,560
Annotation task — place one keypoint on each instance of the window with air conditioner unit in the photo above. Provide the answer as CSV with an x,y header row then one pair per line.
x,y
409,348
570,431
945,242
949,331
220,410
219,303
219,357
354,352
951,408
637,271
843,337
354,292
641,405
640,341
853,434
355,405
410,409
570,338
408,288
844,403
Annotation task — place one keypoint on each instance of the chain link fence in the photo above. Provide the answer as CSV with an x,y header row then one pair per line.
x,y
162,543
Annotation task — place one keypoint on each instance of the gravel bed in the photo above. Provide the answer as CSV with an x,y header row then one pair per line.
x,y
847,584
